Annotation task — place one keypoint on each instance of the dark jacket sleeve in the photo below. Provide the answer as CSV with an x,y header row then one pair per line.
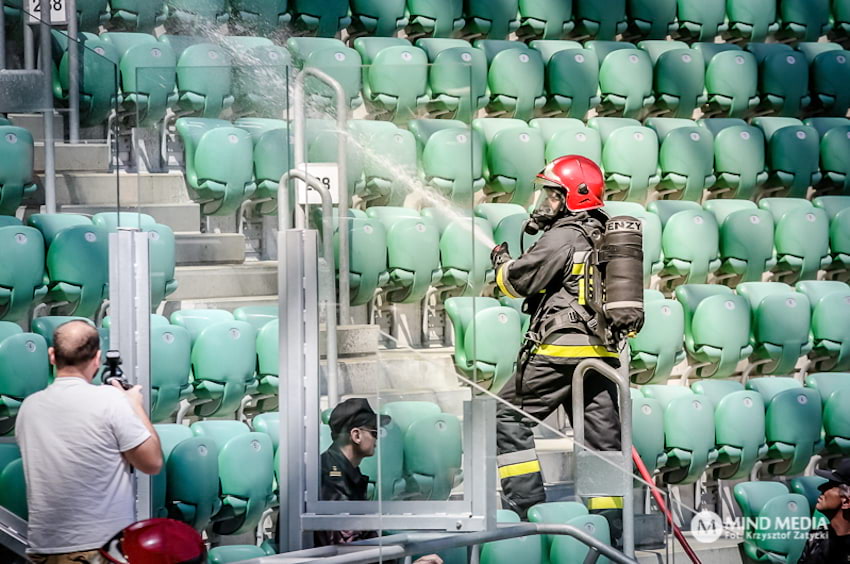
x,y
547,260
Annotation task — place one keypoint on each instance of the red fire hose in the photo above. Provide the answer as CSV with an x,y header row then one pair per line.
x,y
663,506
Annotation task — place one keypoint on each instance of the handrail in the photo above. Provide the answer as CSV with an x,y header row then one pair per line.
x,y
13,532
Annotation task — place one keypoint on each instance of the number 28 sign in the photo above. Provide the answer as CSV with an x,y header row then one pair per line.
x,y
57,11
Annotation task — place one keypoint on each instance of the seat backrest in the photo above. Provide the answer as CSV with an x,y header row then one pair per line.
x,y
24,368
389,455
16,148
224,354
79,257
13,494
268,349
258,316
22,252
196,320
51,225
461,311
406,413
170,368
433,452
268,423
802,231
827,383
648,430
205,70
753,496
662,337
690,234
746,234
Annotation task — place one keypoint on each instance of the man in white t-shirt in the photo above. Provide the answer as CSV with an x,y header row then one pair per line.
x,y
79,442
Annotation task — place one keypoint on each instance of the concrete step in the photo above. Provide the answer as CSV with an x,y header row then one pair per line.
x,y
254,279
169,306
179,217
126,189
93,157
34,123
211,248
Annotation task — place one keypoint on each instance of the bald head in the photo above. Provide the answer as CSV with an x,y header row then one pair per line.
x,y
75,344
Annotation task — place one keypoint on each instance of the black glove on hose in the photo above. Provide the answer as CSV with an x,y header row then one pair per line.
x,y
500,255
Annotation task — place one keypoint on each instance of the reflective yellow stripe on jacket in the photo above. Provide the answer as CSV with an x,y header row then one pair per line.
x,y
574,351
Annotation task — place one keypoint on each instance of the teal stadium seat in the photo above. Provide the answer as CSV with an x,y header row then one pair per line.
x,y
91,14
323,18
465,245
572,77
390,168
780,327
830,301
16,175
98,79
765,505
629,158
650,20
545,19
648,431
563,548
261,81
507,221
367,265
731,80
45,326
739,157
651,223
378,18
261,17
792,424
746,240
686,158
834,390
599,19
829,71
433,453
751,20
793,156
395,77
204,80
12,10
529,548
801,238
783,78
457,78
514,157
625,78
451,157
170,368
193,13
807,486
234,553
51,224
487,339
268,367
678,77
738,427
332,57
717,328
700,20
659,346
196,320
22,274
803,20
24,370
841,19
834,136
77,261
137,15
389,455
219,163
689,242
839,232
493,19
257,316
434,18
568,136
272,159
515,78
322,147
13,488
268,423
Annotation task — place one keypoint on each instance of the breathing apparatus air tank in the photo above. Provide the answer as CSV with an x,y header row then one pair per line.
x,y
620,261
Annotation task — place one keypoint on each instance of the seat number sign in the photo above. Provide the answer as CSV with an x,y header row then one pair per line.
x,y
57,11
328,175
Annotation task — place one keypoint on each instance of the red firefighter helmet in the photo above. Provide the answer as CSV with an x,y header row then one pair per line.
x,y
156,541
580,179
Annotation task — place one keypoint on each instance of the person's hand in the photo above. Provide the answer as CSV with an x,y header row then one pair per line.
x,y
500,255
429,559
134,394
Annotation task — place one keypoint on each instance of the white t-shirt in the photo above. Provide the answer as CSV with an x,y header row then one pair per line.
x,y
79,486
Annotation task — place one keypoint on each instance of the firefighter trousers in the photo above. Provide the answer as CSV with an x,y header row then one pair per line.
x,y
543,387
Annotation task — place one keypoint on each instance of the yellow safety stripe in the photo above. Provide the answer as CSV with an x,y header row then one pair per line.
x,y
605,503
500,282
574,351
519,469
578,268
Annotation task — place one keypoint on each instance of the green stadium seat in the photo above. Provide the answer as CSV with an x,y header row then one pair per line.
x,y
514,157
51,224
688,432
395,76
487,339
568,136
451,157
625,78
16,175
555,512
493,19
529,548
839,230
651,234
516,305
717,328
793,155
389,455
45,326
765,505
841,18
807,486
219,163
234,553
434,18
572,77
24,370
272,155
433,452
179,43
515,78
245,470
830,301
204,80
323,18
562,548
193,13
332,57
746,240
13,492
377,18
650,20
268,423
77,262
659,346
731,80
388,175
801,238
257,316
700,20
686,158
829,71
457,78
465,245
9,452
599,19
323,145
738,427
648,430
834,150
783,78
170,368
780,327
739,157
751,20
22,278
137,15
413,253
834,390
367,257
679,77
689,241
507,221
545,19
405,413
629,158
170,435
259,76
196,320
268,367
792,423
803,20
261,17
12,9
98,79
91,14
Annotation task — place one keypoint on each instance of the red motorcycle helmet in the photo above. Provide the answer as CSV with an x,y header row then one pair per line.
x,y
579,178
156,541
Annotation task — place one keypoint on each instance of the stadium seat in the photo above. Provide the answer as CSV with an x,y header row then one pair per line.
x,y
433,451
648,430
465,245
440,18
739,157
746,240
51,224
137,15
24,370
389,455
98,79
390,174
629,158
834,390
765,505
839,232
829,71
568,136
807,486
45,326
22,278
234,553
196,320
529,548
513,158
793,152
738,427
170,366
830,301
689,241
377,18
268,366
572,78
599,19
77,262
555,512
650,20
801,238
834,150
679,77
261,79
13,493
451,157
245,470
686,158
405,413
841,19
751,20
516,305
457,78
91,14
493,19
12,9
515,78
688,432
780,327
323,145
717,328
368,257
651,234
625,78
659,346
268,423
783,78
395,76
193,13
731,80
803,20
792,423
219,163
261,17
272,154
323,18
507,222
545,19
257,316
16,175
487,339
563,548
413,253
700,20
204,80
332,57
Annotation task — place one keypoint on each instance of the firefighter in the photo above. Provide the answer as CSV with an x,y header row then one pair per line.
x,y
563,330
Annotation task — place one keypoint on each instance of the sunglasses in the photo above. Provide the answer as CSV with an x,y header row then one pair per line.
x,y
373,432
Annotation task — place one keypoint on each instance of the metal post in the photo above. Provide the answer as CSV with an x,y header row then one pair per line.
x,y
29,44
49,160
73,69
129,333
2,37
625,404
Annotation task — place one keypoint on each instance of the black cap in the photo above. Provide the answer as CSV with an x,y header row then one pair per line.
x,y
354,412
840,475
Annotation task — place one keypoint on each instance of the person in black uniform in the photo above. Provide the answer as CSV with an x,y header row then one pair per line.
x,y
831,544
563,330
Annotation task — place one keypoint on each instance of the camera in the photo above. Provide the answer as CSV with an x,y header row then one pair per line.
x,y
113,370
